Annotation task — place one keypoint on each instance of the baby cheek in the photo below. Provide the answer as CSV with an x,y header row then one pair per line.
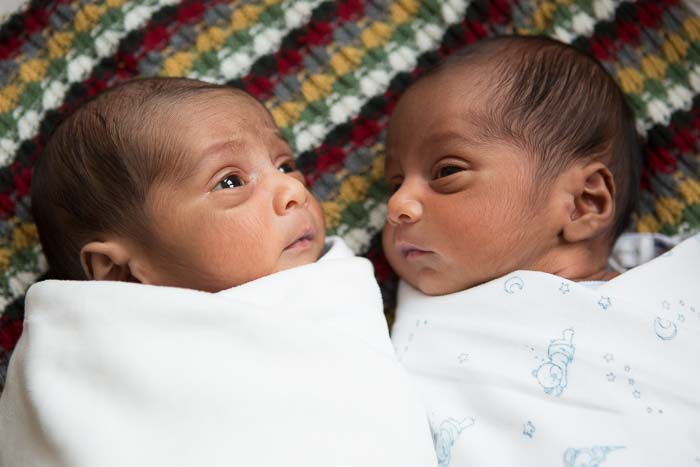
x,y
318,213
387,245
388,239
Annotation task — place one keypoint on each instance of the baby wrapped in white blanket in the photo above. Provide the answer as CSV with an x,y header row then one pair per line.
x,y
211,334
532,366
515,165
295,368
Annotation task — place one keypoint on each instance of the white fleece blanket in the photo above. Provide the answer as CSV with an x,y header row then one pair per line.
x,y
535,370
294,369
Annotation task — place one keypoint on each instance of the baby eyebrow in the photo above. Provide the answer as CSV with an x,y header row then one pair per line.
x,y
280,138
216,153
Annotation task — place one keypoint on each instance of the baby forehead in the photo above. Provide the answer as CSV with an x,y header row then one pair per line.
x,y
218,124
456,120
233,107
444,94
240,120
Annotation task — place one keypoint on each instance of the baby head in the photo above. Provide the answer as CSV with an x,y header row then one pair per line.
x,y
173,182
518,153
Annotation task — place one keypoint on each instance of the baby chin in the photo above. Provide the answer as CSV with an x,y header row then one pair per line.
x,y
433,281
427,280
305,250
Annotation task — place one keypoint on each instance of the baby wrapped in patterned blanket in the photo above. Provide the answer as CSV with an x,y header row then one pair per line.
x,y
515,167
220,327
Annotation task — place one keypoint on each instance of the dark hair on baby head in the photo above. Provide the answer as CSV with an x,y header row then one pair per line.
x,y
559,105
93,177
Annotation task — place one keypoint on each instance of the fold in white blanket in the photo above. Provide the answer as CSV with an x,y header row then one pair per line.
x,y
532,369
294,369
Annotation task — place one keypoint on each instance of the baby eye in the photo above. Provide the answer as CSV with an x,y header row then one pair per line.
x,y
287,167
229,181
448,170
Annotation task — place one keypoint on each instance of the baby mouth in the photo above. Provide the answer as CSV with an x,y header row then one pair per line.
x,y
410,252
302,242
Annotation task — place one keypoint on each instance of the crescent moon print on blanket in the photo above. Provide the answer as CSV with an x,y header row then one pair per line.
x,y
552,374
513,284
665,329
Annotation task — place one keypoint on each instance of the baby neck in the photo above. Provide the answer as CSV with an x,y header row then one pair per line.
x,y
583,262
601,275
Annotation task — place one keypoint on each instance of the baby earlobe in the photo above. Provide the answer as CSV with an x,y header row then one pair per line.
x,y
107,260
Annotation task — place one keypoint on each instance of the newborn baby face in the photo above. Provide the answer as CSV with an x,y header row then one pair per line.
x,y
464,209
236,208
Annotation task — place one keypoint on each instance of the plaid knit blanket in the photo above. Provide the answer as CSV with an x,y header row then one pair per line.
x,y
330,72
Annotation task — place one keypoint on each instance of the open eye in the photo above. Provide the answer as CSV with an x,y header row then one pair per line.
x,y
229,181
447,170
287,167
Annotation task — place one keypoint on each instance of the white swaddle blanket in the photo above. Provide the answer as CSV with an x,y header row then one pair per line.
x,y
293,369
535,370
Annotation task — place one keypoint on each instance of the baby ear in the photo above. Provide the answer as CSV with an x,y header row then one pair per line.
x,y
107,261
593,208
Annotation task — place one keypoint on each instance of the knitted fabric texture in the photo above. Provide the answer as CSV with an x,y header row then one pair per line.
x,y
330,73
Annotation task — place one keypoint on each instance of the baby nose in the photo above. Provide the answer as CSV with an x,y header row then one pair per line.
x,y
403,209
290,193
